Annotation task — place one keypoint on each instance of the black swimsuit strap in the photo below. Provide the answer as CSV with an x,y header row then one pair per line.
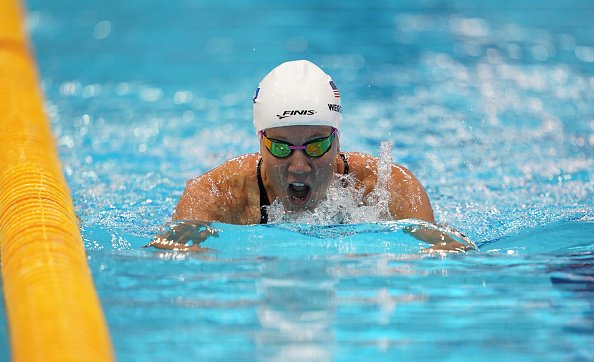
x,y
264,202
346,164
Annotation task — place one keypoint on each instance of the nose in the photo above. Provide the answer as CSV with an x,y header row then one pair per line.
x,y
299,162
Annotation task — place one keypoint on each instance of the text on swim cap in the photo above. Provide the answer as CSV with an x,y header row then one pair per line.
x,y
335,107
297,112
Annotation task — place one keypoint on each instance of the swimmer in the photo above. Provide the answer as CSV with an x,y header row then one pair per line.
x,y
297,116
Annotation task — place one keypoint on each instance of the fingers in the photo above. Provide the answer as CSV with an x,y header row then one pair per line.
x,y
448,247
183,236
165,243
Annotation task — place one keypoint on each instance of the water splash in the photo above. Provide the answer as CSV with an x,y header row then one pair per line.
x,y
380,196
346,202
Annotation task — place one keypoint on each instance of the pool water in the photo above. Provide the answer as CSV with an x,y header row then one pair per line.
x,y
490,104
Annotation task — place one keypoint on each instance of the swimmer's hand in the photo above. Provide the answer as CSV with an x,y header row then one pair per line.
x,y
185,235
442,238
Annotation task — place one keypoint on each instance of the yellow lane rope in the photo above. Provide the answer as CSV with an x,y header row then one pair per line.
x,y
51,304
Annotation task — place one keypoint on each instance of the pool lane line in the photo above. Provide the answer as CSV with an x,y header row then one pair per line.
x,y
51,304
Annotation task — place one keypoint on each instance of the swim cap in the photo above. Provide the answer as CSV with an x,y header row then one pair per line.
x,y
297,93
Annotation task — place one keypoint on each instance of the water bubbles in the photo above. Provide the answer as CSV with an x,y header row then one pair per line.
x,y
380,197
535,104
567,42
102,30
413,22
585,53
514,51
86,119
470,48
70,88
493,56
51,109
443,61
119,243
151,94
122,88
188,116
469,27
183,97
67,141
540,52
91,90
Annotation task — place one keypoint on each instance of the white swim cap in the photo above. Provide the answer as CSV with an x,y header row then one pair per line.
x,y
297,93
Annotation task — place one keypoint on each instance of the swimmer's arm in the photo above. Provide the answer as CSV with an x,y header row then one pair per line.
x,y
440,240
192,217
409,200
219,195
200,201
185,235
198,206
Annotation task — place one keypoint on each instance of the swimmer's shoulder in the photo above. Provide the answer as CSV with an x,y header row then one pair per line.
x,y
364,166
408,197
361,165
240,166
223,193
360,159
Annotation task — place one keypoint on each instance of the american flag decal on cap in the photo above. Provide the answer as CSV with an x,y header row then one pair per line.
x,y
334,89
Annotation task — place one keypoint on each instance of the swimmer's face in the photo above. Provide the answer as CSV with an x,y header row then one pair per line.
x,y
299,181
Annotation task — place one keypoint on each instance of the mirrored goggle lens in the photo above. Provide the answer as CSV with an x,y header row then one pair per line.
x,y
281,150
313,149
317,149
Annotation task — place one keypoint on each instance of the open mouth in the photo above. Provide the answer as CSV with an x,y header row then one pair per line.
x,y
299,192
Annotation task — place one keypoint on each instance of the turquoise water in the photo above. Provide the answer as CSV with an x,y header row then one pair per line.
x,y
490,105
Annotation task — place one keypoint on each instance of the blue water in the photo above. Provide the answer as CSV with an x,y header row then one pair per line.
x,y
490,104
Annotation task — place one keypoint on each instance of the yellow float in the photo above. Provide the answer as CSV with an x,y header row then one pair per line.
x,y
52,307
